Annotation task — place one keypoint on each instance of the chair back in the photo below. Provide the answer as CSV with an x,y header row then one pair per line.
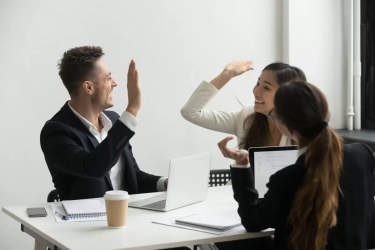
x,y
53,196
219,177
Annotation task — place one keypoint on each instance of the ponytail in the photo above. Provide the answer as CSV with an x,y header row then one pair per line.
x,y
315,204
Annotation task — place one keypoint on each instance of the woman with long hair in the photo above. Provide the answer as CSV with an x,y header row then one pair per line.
x,y
323,201
251,125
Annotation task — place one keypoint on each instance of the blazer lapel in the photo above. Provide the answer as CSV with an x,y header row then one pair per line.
x,y
72,120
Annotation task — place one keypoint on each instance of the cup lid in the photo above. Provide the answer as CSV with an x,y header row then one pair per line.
x,y
116,195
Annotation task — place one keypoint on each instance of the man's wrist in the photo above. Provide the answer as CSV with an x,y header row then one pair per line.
x,y
160,185
133,111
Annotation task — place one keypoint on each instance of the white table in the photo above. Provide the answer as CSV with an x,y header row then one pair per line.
x,y
139,232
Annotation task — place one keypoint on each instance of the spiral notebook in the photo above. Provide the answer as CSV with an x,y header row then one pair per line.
x,y
83,208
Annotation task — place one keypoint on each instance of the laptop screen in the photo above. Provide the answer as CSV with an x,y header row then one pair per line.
x,y
265,161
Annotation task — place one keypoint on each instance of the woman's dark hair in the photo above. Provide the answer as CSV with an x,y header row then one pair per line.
x,y
256,124
303,109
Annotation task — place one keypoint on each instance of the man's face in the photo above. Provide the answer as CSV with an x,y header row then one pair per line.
x,y
103,86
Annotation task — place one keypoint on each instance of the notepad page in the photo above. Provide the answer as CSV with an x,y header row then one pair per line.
x,y
212,221
87,206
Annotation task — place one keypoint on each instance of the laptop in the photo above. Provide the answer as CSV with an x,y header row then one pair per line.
x,y
265,161
187,184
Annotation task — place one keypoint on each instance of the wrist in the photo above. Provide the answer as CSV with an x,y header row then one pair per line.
x,y
133,111
221,79
226,75
242,162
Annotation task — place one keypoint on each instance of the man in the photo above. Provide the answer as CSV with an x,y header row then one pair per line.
x,y
86,148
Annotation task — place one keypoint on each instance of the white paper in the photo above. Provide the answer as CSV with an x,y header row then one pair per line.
x,y
58,212
211,221
269,162
172,222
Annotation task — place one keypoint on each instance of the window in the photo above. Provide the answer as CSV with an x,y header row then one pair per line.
x,y
368,64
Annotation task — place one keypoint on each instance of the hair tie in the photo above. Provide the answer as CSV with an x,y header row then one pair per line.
x,y
324,124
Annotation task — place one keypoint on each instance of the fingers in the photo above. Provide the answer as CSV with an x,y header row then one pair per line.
x,y
223,143
136,76
132,68
223,146
239,155
248,65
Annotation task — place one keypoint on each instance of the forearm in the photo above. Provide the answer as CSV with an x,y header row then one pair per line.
x,y
62,151
147,182
247,198
222,79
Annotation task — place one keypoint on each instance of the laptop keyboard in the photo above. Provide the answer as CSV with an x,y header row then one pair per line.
x,y
156,205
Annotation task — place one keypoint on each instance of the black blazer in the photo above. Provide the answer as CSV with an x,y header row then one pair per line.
x,y
79,165
355,227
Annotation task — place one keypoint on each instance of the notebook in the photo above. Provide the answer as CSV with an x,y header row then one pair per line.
x,y
210,221
84,208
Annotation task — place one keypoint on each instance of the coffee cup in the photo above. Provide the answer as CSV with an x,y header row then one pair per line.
x,y
116,205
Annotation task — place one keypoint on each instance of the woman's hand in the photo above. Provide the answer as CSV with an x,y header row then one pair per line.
x,y
241,156
233,69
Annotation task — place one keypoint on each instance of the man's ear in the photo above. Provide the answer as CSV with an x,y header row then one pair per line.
x,y
88,87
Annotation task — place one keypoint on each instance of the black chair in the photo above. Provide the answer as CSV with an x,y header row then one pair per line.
x,y
53,196
219,177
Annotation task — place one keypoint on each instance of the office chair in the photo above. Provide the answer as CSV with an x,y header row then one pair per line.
x,y
219,177
53,196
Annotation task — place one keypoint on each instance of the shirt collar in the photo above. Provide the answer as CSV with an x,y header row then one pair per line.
x,y
302,151
106,122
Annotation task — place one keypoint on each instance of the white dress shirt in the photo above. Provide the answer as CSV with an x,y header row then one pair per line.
x,y
117,171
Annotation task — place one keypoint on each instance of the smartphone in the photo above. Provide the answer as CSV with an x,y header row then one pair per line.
x,y
37,212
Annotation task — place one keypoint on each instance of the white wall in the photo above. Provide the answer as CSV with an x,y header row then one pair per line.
x,y
176,45
317,44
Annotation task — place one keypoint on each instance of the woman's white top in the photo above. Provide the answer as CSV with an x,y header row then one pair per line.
x,y
221,121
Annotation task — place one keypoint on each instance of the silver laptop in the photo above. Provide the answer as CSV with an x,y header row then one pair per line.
x,y
187,184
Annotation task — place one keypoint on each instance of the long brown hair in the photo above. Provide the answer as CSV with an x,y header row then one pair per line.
x,y
303,108
256,124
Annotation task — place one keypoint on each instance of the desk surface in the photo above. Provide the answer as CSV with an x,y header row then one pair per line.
x,y
139,232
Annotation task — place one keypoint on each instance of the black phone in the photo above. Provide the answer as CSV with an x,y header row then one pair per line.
x,y
37,212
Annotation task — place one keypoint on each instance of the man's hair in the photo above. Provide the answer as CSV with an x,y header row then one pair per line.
x,y
78,65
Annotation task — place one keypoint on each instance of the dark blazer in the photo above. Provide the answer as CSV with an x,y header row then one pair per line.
x,y
79,165
355,227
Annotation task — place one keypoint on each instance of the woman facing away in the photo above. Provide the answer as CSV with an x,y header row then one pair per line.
x,y
251,125
323,201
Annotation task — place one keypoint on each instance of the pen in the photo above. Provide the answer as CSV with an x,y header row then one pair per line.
x,y
61,215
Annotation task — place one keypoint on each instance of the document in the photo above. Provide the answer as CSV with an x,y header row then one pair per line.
x,y
172,222
266,163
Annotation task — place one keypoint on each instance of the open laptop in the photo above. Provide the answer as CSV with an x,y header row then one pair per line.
x,y
187,184
265,161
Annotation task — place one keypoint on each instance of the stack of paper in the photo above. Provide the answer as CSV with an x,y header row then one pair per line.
x,y
210,221
203,223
